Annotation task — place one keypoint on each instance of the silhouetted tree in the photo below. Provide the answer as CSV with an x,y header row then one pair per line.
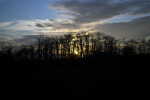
x,y
143,46
2,45
40,47
148,46
87,44
73,45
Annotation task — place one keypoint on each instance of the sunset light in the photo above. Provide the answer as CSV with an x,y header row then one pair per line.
x,y
74,46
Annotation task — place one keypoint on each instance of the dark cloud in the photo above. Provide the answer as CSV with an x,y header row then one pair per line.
x,y
137,28
88,11
39,25
67,26
145,9
59,25
85,11
48,24
27,40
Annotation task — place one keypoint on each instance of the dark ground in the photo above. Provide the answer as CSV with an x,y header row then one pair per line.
x,y
90,74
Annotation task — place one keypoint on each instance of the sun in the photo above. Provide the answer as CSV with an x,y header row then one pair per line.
x,y
76,52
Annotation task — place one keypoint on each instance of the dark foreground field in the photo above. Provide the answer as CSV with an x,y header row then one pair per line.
x,y
73,75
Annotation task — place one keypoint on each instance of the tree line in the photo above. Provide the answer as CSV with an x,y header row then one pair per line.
x,y
74,45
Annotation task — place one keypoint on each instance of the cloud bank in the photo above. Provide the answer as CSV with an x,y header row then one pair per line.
x,y
85,15
137,28
86,12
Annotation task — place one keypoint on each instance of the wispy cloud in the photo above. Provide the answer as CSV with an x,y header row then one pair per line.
x,y
19,28
5,24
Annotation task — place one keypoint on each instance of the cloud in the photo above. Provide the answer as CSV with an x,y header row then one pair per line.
x,y
147,38
32,25
10,34
86,12
18,28
95,10
62,25
84,15
39,25
5,24
137,28
23,25
26,40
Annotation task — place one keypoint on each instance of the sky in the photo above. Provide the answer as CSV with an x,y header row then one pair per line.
x,y
120,18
